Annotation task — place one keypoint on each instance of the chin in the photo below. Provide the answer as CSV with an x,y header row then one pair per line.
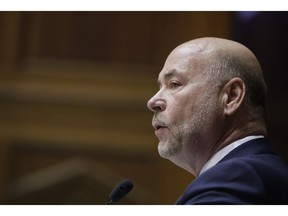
x,y
168,151
163,151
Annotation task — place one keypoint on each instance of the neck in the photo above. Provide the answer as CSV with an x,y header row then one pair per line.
x,y
238,130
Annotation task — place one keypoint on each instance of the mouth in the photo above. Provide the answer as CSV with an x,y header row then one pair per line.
x,y
160,131
159,127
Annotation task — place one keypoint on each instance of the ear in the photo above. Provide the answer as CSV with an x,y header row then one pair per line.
x,y
233,95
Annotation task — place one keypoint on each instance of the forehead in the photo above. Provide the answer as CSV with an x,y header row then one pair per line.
x,y
182,62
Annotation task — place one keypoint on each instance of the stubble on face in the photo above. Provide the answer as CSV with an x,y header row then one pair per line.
x,y
188,132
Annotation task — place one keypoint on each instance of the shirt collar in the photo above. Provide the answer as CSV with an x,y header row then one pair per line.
x,y
223,152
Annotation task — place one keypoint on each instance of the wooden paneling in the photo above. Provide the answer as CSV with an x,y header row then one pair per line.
x,y
75,85
10,36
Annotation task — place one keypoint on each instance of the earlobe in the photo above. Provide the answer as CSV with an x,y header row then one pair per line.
x,y
233,95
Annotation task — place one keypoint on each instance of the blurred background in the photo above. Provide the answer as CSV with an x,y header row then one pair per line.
x,y
73,93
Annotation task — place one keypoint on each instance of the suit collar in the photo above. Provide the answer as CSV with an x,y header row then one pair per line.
x,y
218,156
255,146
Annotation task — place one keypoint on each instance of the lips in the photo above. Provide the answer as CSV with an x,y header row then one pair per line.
x,y
160,129
158,126
161,132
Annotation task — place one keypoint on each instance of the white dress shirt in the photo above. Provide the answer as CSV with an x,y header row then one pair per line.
x,y
223,152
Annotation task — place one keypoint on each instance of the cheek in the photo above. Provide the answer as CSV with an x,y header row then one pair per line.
x,y
189,105
182,112
186,105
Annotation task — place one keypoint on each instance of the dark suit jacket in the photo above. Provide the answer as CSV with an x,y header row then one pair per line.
x,y
249,174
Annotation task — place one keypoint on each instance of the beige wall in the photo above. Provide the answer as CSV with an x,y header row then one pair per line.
x,y
73,92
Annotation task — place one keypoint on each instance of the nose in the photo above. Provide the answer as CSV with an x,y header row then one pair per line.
x,y
156,103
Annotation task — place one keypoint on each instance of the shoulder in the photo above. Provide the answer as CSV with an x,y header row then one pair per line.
x,y
253,179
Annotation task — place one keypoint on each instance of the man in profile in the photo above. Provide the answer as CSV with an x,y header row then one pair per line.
x,y
209,117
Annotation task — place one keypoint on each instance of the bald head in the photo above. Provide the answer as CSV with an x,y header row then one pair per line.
x,y
212,45
223,60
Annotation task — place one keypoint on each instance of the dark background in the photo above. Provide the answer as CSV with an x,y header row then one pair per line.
x,y
73,93
266,33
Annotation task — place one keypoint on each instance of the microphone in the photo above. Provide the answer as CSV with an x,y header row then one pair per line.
x,y
121,189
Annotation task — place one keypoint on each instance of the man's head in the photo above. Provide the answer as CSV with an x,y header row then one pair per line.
x,y
211,92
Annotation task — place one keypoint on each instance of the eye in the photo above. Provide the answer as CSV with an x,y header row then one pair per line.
x,y
174,84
